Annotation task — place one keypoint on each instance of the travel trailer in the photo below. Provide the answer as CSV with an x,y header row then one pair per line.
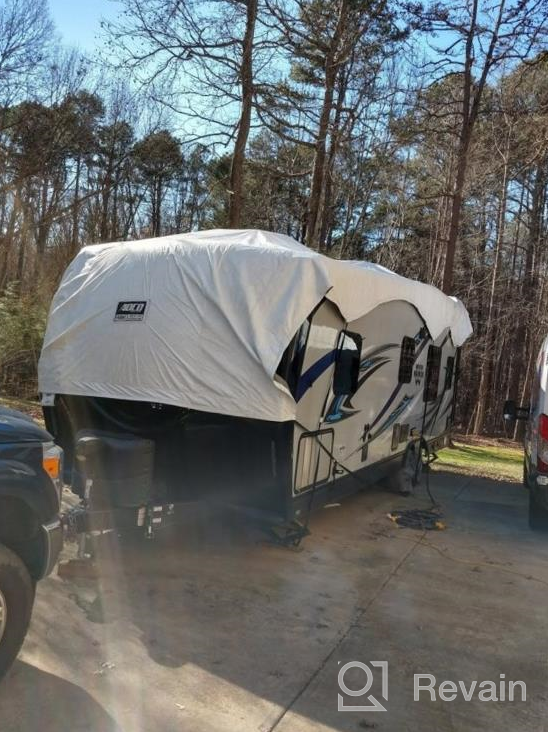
x,y
242,367
535,463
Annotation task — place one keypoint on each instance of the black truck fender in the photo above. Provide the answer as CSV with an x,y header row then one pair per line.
x,y
29,522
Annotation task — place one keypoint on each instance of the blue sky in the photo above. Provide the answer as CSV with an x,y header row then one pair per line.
x,y
78,21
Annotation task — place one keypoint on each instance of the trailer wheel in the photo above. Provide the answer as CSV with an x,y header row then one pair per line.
x,y
538,515
16,601
408,475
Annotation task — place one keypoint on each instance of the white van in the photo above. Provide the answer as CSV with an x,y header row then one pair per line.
x,y
535,462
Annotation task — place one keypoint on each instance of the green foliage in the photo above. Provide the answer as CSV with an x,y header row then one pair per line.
x,y
22,325
158,155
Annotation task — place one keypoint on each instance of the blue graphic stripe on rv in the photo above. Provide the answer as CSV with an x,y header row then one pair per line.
x,y
317,369
376,363
392,417
313,373
336,412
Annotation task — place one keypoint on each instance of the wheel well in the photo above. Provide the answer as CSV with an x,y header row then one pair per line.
x,y
20,532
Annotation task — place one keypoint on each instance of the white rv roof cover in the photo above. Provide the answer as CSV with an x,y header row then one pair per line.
x,y
222,306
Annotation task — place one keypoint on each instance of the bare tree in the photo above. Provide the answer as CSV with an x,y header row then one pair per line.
x,y
203,52
25,33
475,39
335,48
244,123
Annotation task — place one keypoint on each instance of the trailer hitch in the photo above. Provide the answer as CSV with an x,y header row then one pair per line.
x,y
151,517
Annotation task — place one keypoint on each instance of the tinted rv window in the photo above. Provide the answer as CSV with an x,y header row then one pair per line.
x,y
433,365
291,363
407,359
449,371
347,366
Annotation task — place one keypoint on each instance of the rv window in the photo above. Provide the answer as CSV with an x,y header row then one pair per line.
x,y
407,360
291,363
347,365
449,371
433,365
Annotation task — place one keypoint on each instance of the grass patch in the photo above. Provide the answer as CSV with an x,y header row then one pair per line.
x,y
498,459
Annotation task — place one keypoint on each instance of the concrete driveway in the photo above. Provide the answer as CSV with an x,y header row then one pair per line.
x,y
213,630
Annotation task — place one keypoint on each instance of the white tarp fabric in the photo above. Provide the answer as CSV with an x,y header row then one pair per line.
x,y
201,320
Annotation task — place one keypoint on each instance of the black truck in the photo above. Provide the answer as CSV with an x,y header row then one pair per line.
x,y
30,529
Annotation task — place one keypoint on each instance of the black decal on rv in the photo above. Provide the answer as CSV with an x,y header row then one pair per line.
x,y
418,374
130,310
421,344
341,406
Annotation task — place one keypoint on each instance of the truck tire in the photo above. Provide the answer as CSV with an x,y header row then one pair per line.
x,y
16,601
538,515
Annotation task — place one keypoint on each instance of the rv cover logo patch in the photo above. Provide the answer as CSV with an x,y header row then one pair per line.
x,y
130,310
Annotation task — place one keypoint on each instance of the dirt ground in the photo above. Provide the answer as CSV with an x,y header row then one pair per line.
x,y
210,629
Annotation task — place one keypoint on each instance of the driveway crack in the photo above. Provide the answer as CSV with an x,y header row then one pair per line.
x,y
355,622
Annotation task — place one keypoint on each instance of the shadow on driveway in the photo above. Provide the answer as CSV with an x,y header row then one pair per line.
x,y
42,701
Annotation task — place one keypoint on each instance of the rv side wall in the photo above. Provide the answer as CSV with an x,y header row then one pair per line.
x,y
369,429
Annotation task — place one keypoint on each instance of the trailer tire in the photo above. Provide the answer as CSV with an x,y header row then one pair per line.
x,y
538,515
16,601
408,475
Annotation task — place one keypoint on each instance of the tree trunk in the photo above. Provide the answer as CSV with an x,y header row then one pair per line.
x,y
42,231
238,156
104,230
326,209
76,209
456,207
469,113
156,222
318,170
487,360
8,239
313,222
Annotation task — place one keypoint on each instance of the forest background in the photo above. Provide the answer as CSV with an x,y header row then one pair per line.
x,y
412,135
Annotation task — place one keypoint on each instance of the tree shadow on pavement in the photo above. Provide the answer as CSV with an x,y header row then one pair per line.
x,y
31,700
